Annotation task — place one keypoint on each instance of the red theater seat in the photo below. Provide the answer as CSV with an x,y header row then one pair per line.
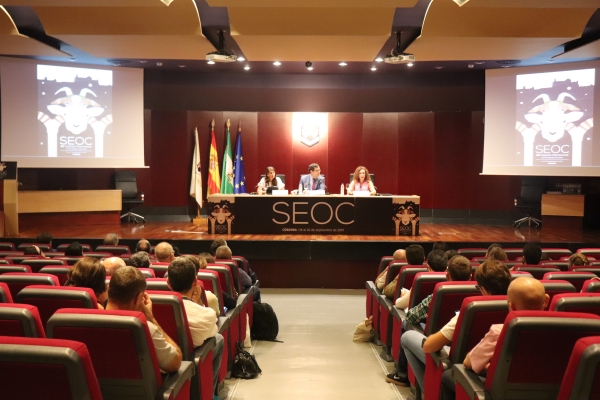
x,y
16,281
576,302
591,286
20,320
37,263
5,296
582,378
575,278
116,250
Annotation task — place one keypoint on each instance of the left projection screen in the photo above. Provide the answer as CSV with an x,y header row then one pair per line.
x,y
58,115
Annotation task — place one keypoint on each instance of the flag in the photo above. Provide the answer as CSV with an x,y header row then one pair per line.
x,y
196,183
214,182
239,175
227,174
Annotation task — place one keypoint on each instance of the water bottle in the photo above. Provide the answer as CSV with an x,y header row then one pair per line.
x,y
300,188
342,189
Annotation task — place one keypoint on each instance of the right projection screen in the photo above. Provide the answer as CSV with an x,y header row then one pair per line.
x,y
540,121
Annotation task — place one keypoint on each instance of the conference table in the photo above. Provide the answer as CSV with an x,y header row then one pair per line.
x,y
313,214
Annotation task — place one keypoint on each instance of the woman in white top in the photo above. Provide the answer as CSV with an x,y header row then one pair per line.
x,y
270,179
361,181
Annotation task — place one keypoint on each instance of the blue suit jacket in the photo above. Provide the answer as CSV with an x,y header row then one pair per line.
x,y
306,181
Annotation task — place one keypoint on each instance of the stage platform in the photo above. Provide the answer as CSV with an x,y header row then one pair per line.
x,y
317,261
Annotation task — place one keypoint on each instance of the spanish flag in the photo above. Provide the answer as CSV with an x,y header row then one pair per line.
x,y
214,181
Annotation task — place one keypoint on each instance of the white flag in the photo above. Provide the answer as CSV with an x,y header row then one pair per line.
x,y
196,183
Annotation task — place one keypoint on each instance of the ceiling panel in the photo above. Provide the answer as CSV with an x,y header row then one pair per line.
x,y
85,3
533,3
313,3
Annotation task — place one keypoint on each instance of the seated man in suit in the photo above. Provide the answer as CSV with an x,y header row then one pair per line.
x,y
127,291
314,180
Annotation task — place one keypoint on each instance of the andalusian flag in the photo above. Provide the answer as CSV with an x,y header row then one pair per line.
x,y
227,174
239,175
196,183
214,182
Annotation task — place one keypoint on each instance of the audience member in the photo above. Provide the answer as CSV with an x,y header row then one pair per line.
x,y
492,246
89,273
143,245
399,255
224,253
112,264
451,253
202,320
213,301
176,251
44,238
497,253
532,254
74,250
164,252
33,251
139,260
578,260
111,239
127,291
493,278
218,242
415,255
207,257
459,269
524,293
443,246
228,302
436,262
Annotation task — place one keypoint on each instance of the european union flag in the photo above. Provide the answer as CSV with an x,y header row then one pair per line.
x,y
239,175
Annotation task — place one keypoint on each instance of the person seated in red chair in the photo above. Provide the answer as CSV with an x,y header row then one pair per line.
x,y
89,273
201,320
127,292
111,239
524,293
532,254
164,252
399,255
493,278
143,245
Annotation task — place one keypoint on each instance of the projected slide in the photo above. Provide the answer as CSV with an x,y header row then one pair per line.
x,y
75,110
554,118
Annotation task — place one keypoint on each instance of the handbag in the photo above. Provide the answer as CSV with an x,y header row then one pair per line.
x,y
364,331
244,365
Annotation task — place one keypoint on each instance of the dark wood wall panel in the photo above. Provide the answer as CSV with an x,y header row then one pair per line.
x,y
304,155
380,149
415,161
345,147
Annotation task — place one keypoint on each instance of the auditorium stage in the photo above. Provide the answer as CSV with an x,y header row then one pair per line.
x,y
317,261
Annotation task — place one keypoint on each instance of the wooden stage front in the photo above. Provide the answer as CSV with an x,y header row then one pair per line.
x,y
316,261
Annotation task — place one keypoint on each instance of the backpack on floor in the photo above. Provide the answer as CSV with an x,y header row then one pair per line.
x,y
264,325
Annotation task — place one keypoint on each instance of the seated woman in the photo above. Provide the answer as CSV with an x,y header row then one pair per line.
x,y
270,179
89,273
361,182
578,260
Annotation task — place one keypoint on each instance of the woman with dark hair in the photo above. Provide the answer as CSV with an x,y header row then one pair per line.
x,y
270,179
361,182
89,273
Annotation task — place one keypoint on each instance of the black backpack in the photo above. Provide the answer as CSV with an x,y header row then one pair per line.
x,y
264,325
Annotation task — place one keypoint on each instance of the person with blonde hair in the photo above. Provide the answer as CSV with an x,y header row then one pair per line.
x,y
361,182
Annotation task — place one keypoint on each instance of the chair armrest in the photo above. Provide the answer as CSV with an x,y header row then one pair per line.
x,y
201,352
223,323
470,382
389,303
257,283
415,327
176,381
442,358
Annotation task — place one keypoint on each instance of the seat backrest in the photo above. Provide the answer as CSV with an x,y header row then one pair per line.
x,y
14,268
157,284
60,272
160,268
242,263
513,253
532,188
527,362
42,246
5,295
407,275
225,278
9,253
235,273
423,285
352,177
576,278
16,281
591,286
582,377
168,309
554,287
210,280
537,271
19,259
120,345
393,271
64,246
556,253
590,251
471,252
562,265
477,314
126,181
96,254
383,263
576,302
519,274
115,250
34,368
593,269
36,264
147,272
22,320
447,300
70,260
7,246
48,299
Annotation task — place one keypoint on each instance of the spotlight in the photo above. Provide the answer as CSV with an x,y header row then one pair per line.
x,y
343,64
277,63
211,62
241,58
373,68
410,64
378,59
247,67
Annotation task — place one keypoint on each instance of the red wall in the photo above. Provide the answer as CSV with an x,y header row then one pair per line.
x,y
435,155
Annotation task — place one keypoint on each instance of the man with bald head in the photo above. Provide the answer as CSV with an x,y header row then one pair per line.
x,y
524,293
164,252
111,264
399,255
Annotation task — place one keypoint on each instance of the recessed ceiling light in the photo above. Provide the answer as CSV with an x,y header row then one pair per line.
x,y
373,69
479,62
410,64
211,62
159,64
277,63
241,58
247,67
439,67
378,59
506,66
310,68
181,66
143,61
343,64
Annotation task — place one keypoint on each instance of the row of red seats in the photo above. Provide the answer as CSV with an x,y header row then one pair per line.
x,y
115,250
